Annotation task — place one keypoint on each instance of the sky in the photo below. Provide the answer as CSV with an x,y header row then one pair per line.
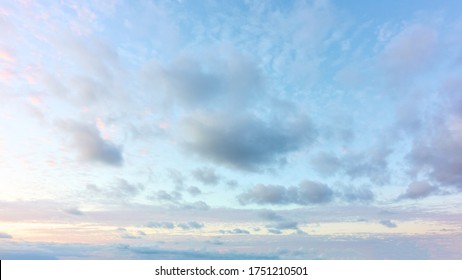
x,y
230,129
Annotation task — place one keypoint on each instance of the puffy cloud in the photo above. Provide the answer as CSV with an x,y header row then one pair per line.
x,y
308,192
89,144
388,223
437,154
207,176
167,196
418,189
190,225
5,235
246,142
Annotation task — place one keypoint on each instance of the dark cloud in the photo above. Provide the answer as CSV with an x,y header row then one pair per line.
x,y
207,176
5,235
308,192
245,141
87,141
388,223
418,189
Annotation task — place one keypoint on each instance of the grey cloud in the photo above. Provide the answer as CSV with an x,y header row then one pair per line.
x,y
190,225
308,192
274,231
245,141
438,154
388,223
371,163
89,144
207,176
74,211
226,77
235,231
362,194
194,191
123,189
270,215
326,164
198,205
5,235
418,189
177,178
167,225
166,196
284,225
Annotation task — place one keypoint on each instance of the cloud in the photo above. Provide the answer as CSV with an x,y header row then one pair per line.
x,y
436,154
121,189
207,176
74,211
5,235
308,192
410,51
235,231
418,190
166,225
325,164
198,205
87,141
370,163
388,223
200,80
194,191
245,142
167,196
190,225
352,194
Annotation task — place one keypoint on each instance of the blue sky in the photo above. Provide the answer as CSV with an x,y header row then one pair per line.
x,y
192,129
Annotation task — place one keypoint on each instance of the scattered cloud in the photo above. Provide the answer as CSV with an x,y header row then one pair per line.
x,y
207,176
74,211
5,235
246,142
191,225
87,141
418,190
308,192
388,223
